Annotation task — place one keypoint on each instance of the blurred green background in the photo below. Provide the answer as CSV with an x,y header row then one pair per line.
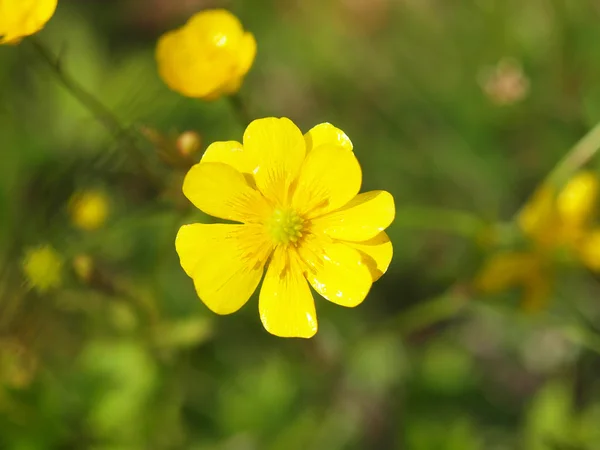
x,y
459,105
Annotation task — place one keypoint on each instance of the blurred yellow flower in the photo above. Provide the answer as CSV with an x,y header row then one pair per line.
x,y
20,18
42,267
207,57
89,209
301,217
553,222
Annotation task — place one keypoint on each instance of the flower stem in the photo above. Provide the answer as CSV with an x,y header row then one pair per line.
x,y
453,221
579,155
92,104
239,108
431,311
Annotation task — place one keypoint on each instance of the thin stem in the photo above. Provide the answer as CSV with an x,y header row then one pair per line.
x,y
457,222
579,155
92,104
429,312
239,108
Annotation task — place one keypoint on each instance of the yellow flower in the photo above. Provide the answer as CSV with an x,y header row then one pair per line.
x,y
207,57
89,209
20,18
43,268
552,222
524,270
301,217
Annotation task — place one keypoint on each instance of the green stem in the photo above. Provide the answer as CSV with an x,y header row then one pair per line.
x,y
239,108
429,312
457,222
579,155
92,104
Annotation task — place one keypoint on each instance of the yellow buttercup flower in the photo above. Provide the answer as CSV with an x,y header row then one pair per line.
x,y
552,222
89,209
207,57
300,216
20,18
42,267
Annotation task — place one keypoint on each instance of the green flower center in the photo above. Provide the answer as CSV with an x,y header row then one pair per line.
x,y
285,226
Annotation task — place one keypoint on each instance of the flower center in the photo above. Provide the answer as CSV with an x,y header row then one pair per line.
x,y
285,226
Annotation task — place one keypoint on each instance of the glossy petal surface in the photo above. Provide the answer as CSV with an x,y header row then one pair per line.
x,y
337,272
330,177
221,191
277,145
220,260
286,304
325,133
376,253
363,218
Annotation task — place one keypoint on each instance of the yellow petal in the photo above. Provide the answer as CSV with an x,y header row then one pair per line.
x,y
246,54
330,177
221,191
19,18
589,250
216,29
219,258
325,133
376,253
538,218
231,153
278,148
286,305
536,292
336,271
363,218
505,270
576,202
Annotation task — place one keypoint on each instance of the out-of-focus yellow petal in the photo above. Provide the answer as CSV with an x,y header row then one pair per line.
x,y
577,201
589,250
219,258
325,133
20,18
505,270
246,54
376,253
336,271
361,219
537,219
536,292
221,191
330,177
231,153
277,145
286,305
215,29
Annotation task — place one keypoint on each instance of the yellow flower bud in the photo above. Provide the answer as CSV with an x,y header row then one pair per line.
x,y
207,57
42,267
89,209
188,143
20,18
83,266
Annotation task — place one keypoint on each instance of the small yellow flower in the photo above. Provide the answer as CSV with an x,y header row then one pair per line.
x,y
207,57
20,18
553,222
89,209
301,217
43,268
